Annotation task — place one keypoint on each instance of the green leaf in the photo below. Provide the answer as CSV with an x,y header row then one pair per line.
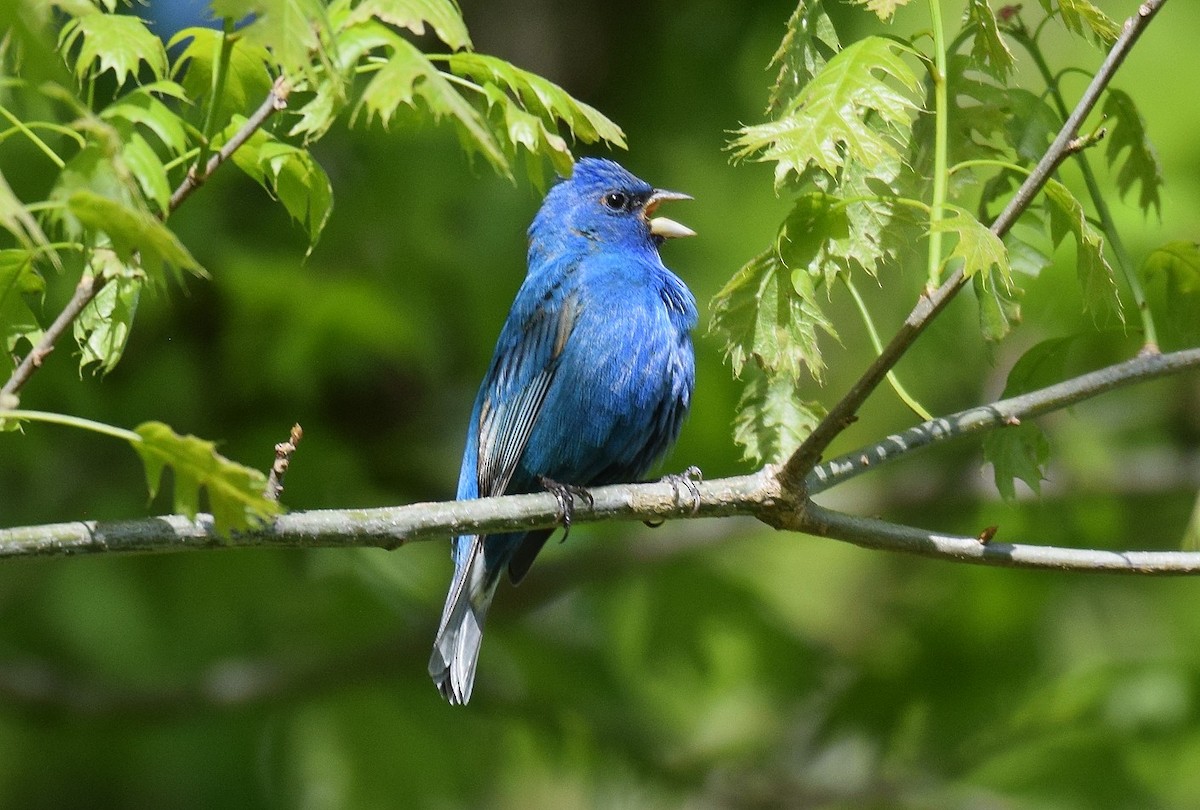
x,y
978,250
102,328
884,9
235,492
1041,365
999,305
294,31
140,107
858,109
99,167
149,171
291,174
989,51
810,42
407,76
1171,276
329,96
525,113
1017,451
541,97
768,312
18,279
1025,250
442,15
138,237
1082,17
1032,124
1096,276
977,114
1141,164
247,78
116,42
772,420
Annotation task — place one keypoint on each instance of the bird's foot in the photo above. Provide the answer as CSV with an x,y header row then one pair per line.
x,y
566,495
686,480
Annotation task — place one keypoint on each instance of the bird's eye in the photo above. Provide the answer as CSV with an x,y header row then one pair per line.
x,y
615,200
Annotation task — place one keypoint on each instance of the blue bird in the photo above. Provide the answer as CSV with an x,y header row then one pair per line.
x,y
589,384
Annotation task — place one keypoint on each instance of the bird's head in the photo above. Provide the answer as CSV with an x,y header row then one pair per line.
x,y
604,203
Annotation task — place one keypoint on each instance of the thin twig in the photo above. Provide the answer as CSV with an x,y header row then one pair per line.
x,y
283,458
928,306
85,291
878,534
998,415
275,101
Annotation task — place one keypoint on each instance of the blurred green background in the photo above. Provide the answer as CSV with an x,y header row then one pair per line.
x,y
702,664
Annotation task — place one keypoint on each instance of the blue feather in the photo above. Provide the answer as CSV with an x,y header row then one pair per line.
x,y
589,384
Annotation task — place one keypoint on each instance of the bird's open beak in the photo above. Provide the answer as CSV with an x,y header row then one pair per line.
x,y
661,226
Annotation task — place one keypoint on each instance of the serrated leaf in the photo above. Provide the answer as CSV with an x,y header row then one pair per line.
x,y
541,97
989,51
117,42
1141,164
102,329
1082,17
289,173
407,76
137,236
18,279
1171,276
141,107
883,9
296,33
235,492
247,77
999,305
772,419
1017,452
977,249
1067,218
353,42
768,312
858,109
442,15
810,42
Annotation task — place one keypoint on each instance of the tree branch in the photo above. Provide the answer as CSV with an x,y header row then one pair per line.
x,y
392,527
85,291
90,286
998,414
931,303
878,534
758,495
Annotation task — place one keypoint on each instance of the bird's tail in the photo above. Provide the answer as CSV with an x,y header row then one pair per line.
x,y
456,648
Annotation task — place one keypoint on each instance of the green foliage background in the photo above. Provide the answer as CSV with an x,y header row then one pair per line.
x,y
704,663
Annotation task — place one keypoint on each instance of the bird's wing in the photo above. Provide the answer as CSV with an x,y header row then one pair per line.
x,y
521,374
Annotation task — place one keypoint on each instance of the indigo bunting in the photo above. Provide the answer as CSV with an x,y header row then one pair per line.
x,y
589,384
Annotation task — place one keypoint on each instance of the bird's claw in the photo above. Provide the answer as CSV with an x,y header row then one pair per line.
x,y
688,479
566,495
